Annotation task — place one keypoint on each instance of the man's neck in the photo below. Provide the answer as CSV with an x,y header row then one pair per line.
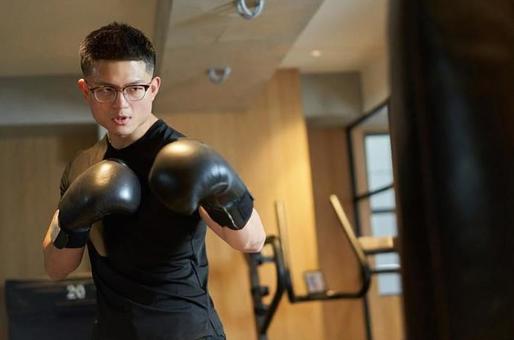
x,y
120,142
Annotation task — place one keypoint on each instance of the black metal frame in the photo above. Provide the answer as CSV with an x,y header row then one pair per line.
x,y
358,197
264,312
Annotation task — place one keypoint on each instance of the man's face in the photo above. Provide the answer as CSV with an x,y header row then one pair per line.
x,y
124,119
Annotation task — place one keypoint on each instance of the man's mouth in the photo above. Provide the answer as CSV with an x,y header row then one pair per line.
x,y
121,120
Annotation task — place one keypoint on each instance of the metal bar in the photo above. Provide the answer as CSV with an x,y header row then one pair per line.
x,y
348,231
383,211
353,177
284,237
373,192
367,115
361,257
392,268
356,214
282,230
264,313
280,282
259,307
378,245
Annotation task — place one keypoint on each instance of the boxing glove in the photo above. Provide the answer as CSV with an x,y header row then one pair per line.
x,y
187,173
105,188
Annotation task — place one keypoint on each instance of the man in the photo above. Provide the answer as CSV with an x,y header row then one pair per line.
x,y
140,199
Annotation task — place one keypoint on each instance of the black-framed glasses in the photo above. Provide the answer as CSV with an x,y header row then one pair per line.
x,y
108,94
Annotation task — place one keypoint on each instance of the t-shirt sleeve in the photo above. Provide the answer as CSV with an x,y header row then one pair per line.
x,y
172,135
176,135
65,179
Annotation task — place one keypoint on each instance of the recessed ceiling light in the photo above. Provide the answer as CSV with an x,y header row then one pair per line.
x,y
316,53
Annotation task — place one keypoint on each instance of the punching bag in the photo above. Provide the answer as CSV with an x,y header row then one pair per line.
x,y
452,133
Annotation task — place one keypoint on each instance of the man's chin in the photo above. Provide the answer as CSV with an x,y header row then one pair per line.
x,y
120,139
120,131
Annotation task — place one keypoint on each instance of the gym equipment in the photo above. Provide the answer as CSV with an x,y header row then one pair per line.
x,y
49,310
452,127
361,247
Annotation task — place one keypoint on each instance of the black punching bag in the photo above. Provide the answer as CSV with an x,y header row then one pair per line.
x,y
452,131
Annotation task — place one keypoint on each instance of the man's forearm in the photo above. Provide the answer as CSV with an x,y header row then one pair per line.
x,y
59,262
248,239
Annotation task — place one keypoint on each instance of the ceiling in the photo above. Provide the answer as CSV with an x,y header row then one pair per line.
x,y
40,38
350,34
204,34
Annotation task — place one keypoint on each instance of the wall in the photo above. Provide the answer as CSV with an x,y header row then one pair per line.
x,y
331,99
32,161
344,319
42,100
375,82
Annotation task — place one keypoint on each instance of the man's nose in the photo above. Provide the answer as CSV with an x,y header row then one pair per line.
x,y
120,100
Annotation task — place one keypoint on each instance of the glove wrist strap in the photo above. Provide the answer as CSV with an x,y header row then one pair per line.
x,y
76,239
233,216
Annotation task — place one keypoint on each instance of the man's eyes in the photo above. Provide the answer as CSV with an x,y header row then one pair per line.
x,y
106,89
135,88
132,88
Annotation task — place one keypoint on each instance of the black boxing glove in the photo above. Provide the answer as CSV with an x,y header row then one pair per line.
x,y
104,188
188,173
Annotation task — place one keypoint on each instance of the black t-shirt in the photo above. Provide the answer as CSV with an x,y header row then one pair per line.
x,y
152,281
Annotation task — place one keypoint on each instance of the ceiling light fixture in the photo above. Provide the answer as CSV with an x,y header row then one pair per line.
x,y
247,13
218,75
316,53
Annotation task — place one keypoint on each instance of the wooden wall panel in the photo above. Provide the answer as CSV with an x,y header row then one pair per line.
x,y
344,319
32,161
268,146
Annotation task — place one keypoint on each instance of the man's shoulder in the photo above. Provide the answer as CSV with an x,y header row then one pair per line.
x,y
170,133
94,153
82,160
87,157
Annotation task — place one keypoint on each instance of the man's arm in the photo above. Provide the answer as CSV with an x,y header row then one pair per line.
x,y
59,262
105,187
249,239
189,175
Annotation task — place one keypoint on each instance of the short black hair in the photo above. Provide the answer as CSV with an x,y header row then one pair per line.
x,y
116,42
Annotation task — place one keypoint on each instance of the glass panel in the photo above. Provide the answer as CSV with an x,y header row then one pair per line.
x,y
378,161
389,284
376,122
386,260
383,200
383,224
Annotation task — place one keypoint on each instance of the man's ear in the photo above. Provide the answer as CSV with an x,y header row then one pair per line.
x,y
154,86
81,83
